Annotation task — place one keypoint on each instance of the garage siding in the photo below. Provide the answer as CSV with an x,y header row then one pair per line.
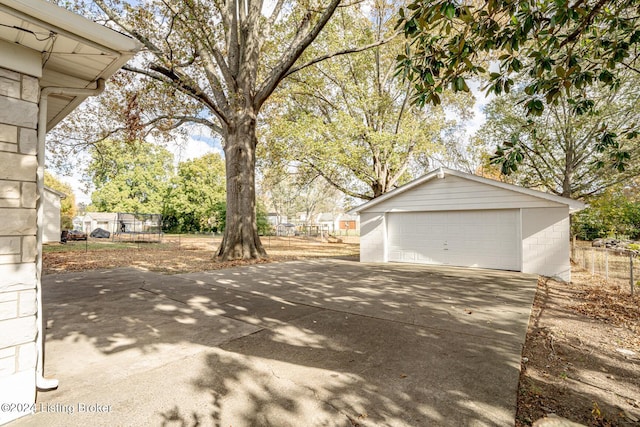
x,y
455,193
545,242
373,237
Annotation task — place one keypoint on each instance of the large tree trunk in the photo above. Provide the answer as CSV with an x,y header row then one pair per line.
x,y
241,240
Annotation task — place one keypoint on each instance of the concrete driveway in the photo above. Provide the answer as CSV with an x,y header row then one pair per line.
x,y
304,343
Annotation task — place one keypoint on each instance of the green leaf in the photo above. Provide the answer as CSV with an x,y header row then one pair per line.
x,y
450,11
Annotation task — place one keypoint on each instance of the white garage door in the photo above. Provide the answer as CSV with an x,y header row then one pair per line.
x,y
486,238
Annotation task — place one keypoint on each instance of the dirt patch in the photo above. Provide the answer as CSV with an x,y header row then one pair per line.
x,y
180,254
581,358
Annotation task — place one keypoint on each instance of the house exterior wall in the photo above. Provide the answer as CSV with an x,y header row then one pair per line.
x,y
545,242
51,232
87,225
19,95
455,193
373,237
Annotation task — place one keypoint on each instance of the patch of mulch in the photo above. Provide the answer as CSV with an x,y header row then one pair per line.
x,y
581,358
610,305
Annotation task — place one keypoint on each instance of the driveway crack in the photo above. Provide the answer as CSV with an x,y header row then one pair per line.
x,y
351,420
142,288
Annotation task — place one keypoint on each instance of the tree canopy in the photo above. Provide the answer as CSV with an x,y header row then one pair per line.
x,y
129,176
195,199
615,213
559,151
348,119
563,47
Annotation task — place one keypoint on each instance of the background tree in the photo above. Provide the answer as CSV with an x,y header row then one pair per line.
x,y
615,213
68,208
129,176
348,119
264,227
563,47
216,63
289,194
561,151
196,195
219,218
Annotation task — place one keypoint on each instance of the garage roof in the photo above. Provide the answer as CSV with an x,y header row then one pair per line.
x,y
75,51
573,205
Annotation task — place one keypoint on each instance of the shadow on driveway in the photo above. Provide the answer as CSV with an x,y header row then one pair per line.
x,y
313,343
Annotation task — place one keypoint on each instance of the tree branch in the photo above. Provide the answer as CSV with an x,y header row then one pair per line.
x,y
392,181
336,185
233,43
584,24
274,15
151,123
186,119
217,56
184,86
291,56
142,39
338,53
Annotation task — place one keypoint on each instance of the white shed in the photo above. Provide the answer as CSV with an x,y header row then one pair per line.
x,y
51,232
454,218
105,220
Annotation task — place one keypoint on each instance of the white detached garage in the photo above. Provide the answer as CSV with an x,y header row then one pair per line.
x,y
454,218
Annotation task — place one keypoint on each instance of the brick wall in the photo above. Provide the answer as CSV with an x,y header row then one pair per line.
x,y
18,144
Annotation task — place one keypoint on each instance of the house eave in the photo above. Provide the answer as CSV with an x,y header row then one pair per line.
x,y
76,53
65,22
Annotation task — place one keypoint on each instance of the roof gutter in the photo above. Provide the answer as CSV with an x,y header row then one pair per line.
x,y
65,22
41,382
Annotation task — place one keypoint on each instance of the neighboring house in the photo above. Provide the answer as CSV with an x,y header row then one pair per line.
x,y
105,220
326,220
52,198
274,218
51,60
348,223
340,223
286,229
453,218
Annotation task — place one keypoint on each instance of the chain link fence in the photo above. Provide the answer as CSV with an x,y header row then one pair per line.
x,y
618,266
